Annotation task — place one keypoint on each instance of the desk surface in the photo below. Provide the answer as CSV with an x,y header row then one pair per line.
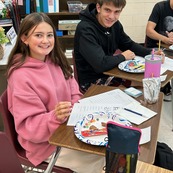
x,y
64,136
148,168
136,76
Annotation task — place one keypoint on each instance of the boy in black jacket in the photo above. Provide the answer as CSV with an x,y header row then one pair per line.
x,y
98,36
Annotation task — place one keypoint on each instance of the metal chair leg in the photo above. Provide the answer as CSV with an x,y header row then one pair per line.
x,y
53,160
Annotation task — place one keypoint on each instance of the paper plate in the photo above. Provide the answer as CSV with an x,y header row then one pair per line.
x,y
97,119
133,66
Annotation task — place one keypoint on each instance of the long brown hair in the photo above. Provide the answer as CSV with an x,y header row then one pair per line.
x,y
57,56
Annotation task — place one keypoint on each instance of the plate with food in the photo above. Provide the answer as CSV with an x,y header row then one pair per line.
x,y
92,128
136,65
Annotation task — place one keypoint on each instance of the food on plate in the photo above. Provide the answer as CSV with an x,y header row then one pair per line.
x,y
103,124
92,130
98,132
92,127
134,65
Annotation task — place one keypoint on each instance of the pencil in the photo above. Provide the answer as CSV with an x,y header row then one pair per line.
x,y
128,156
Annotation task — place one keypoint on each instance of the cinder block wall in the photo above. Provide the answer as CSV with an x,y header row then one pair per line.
x,y
134,18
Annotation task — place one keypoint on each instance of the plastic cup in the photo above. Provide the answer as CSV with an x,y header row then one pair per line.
x,y
151,87
152,66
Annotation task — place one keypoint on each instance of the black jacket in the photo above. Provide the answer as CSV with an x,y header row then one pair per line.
x,y
95,45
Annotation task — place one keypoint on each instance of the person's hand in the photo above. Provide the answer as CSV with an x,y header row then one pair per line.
x,y
169,34
62,110
128,54
168,41
160,52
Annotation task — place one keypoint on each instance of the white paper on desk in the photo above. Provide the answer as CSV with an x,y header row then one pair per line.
x,y
116,97
168,64
146,135
81,109
163,77
163,70
134,118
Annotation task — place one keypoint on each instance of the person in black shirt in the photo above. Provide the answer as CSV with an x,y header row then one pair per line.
x,y
98,36
160,27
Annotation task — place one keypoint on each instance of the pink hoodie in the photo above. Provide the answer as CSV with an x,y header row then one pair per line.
x,y
33,91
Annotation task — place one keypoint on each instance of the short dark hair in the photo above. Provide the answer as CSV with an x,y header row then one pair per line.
x,y
117,3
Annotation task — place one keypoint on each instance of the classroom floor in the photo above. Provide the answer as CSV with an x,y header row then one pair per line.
x,y
166,125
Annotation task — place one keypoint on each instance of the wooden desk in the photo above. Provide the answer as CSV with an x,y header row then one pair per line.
x,y
139,76
148,168
64,136
136,76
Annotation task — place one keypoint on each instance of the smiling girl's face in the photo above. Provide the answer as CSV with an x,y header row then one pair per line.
x,y
40,41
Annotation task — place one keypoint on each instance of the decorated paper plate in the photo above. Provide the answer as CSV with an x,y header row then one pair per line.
x,y
133,66
92,128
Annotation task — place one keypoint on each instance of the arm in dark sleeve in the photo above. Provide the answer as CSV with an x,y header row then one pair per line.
x,y
140,50
155,14
93,53
126,43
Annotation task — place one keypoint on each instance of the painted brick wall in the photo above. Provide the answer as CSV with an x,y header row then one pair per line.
x,y
134,18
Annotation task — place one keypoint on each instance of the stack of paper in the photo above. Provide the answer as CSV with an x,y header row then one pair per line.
x,y
113,101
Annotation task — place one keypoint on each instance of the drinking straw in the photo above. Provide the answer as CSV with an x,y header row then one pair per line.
x,y
152,54
159,44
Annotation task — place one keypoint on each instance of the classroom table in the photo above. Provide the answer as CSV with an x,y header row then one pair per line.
x,y
64,135
168,52
137,77
143,167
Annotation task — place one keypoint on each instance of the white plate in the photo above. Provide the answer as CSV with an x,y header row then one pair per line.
x,y
133,66
96,119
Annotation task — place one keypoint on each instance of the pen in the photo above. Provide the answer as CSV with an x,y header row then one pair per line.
x,y
137,113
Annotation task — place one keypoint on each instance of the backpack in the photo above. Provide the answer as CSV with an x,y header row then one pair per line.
x,y
164,156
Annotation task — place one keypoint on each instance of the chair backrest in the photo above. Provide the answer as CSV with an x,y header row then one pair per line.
x,y
9,161
75,71
10,131
8,121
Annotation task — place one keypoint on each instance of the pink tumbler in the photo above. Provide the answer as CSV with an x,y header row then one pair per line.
x,y
152,66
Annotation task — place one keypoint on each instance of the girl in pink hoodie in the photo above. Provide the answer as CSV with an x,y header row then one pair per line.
x,y
41,92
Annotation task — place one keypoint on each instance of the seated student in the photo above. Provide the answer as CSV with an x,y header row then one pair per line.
x,y
160,24
160,27
41,92
98,36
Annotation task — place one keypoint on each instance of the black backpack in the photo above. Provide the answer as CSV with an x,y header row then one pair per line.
x,y
164,156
